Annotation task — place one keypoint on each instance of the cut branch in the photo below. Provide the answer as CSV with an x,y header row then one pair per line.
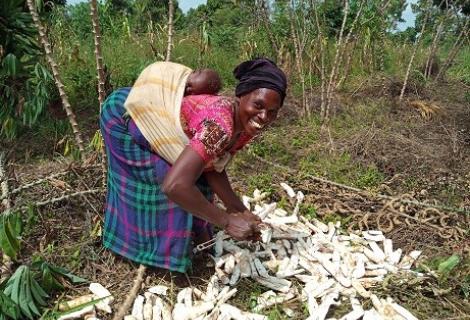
x,y
64,197
132,294
55,71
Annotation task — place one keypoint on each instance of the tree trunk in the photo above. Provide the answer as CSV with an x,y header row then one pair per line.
x,y
265,18
453,52
98,55
334,66
402,93
432,51
340,49
170,30
322,61
55,71
101,78
298,56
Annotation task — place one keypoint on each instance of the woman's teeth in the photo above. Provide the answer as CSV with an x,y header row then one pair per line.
x,y
256,124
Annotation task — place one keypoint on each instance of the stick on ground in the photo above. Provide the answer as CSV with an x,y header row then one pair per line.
x,y
139,278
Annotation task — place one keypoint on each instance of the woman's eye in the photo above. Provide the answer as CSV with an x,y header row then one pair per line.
x,y
258,106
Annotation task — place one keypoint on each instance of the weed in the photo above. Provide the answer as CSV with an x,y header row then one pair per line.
x,y
262,181
309,211
369,178
333,217
283,203
276,314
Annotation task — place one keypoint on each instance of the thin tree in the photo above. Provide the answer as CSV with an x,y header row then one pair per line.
x,y
298,47
423,28
101,75
55,71
329,87
170,30
432,52
341,50
462,37
266,22
98,55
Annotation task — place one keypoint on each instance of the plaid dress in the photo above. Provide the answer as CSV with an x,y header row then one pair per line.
x,y
141,223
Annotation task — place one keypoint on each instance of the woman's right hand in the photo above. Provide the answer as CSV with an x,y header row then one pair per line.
x,y
242,225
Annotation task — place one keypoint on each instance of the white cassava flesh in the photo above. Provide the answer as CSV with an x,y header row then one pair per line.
x,y
67,305
101,292
138,308
160,290
331,266
288,189
79,314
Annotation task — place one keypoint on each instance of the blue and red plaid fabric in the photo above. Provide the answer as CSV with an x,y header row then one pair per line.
x,y
141,223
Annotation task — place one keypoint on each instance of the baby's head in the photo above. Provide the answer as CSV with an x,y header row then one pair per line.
x,y
203,81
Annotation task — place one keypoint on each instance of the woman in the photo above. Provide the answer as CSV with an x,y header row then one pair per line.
x,y
154,208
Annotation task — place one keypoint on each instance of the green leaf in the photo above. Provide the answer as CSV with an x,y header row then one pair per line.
x,y
81,306
10,229
49,282
8,307
38,293
50,273
65,273
10,62
24,290
446,267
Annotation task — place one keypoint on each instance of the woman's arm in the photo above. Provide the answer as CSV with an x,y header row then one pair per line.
x,y
221,186
180,186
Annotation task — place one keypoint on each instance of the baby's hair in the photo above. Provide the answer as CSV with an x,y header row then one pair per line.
x,y
215,84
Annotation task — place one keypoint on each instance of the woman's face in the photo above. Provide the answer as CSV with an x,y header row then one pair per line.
x,y
258,109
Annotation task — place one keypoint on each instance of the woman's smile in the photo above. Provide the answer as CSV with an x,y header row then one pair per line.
x,y
258,109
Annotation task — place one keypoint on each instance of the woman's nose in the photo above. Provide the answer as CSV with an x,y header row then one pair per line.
x,y
263,115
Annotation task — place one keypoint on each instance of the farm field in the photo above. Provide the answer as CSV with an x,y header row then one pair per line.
x,y
374,133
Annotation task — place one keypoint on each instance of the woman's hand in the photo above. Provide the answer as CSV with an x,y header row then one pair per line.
x,y
242,225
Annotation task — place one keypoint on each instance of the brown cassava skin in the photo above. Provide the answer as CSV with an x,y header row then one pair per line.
x,y
261,106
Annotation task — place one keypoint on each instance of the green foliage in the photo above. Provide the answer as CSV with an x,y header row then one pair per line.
x,y
50,276
8,308
10,230
24,82
309,211
262,181
341,168
26,292
445,267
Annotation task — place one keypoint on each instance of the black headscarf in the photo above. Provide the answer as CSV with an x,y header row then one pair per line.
x,y
260,73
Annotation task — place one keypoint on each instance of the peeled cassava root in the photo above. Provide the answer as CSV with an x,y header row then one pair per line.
x,y
332,268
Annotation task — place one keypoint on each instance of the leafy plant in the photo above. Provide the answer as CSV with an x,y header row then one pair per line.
x,y
50,275
446,266
24,81
10,230
8,308
26,292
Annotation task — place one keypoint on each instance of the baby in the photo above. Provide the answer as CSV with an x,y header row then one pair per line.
x,y
203,81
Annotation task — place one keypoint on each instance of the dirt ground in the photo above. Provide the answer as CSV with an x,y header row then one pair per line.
x,y
423,160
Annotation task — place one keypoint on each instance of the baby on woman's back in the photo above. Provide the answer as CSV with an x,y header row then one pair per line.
x,y
203,81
